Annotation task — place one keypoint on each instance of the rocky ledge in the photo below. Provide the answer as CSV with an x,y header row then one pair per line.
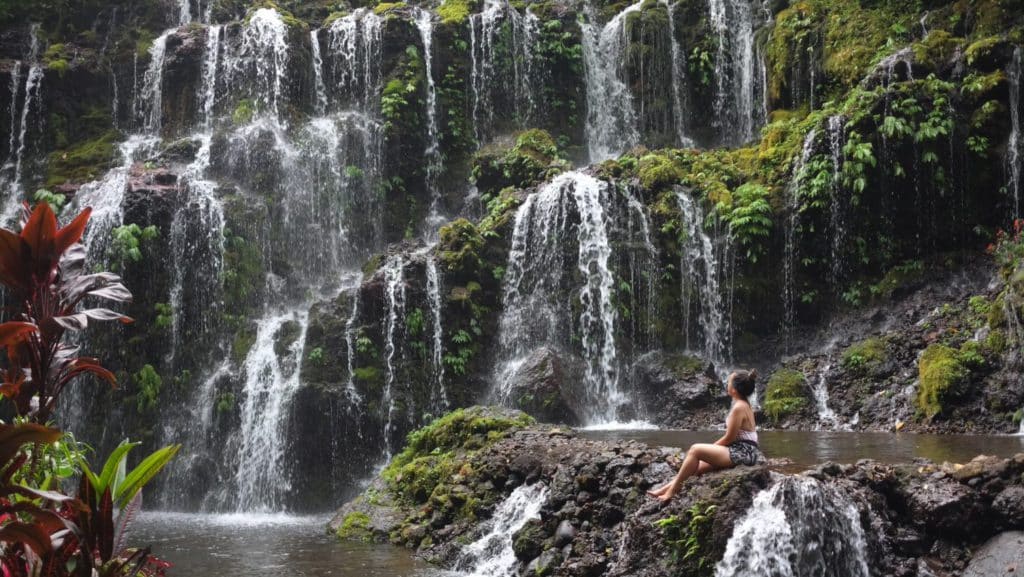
x,y
450,495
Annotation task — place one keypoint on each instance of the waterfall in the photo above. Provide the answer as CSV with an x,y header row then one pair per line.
x,y
678,80
394,283
1013,148
18,146
432,155
151,105
487,83
355,44
209,84
611,126
184,12
793,220
535,277
350,346
197,248
492,555
439,395
799,527
261,61
739,71
837,214
272,377
703,263
318,73
819,389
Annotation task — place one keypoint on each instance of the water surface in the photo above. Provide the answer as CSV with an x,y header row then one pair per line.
x,y
249,545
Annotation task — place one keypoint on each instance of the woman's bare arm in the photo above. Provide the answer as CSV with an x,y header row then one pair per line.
x,y
732,428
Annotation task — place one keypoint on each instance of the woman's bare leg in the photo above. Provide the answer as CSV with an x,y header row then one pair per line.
x,y
703,467
716,456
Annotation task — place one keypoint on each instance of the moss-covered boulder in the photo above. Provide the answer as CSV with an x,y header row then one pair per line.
x,y
529,160
865,357
941,374
785,394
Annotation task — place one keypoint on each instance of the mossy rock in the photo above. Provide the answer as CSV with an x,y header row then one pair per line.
x,y
658,171
355,527
84,162
455,12
785,394
439,450
532,158
941,374
865,357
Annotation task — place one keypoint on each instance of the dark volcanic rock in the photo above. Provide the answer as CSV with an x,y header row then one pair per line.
x,y
678,391
542,386
1003,555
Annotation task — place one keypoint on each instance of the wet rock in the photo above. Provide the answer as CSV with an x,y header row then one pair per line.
x,y
1009,505
946,508
564,534
1001,556
675,390
542,387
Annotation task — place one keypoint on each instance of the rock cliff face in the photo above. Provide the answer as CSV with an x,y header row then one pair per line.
x,y
450,488
365,215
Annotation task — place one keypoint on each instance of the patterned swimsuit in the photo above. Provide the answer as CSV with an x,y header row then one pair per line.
x,y
745,450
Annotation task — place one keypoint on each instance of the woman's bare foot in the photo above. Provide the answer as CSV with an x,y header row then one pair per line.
x,y
668,494
658,491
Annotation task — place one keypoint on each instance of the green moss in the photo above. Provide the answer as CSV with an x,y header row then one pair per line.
x,y
355,526
865,356
658,171
242,343
940,374
460,247
84,162
531,160
386,7
982,49
430,454
454,11
784,394
243,113
936,49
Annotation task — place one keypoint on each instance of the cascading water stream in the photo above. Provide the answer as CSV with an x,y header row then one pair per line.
x,y
432,154
394,286
837,213
318,73
151,102
793,220
739,71
1013,147
439,394
799,527
703,261
679,65
485,33
272,378
611,126
210,63
18,148
355,44
261,61
534,314
826,416
492,555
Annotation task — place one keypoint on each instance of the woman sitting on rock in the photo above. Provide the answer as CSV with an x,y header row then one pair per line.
x,y
738,446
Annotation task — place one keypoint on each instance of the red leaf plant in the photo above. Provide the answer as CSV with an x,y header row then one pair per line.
x,y
43,269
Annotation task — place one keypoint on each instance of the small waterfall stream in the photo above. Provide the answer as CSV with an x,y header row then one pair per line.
x,y
439,394
799,527
18,148
354,50
394,280
704,264
739,70
536,276
432,155
679,79
837,202
793,220
491,555
488,81
1013,147
826,416
611,126
272,377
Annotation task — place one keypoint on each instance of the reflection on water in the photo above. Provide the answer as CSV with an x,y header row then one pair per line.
x,y
807,448
243,545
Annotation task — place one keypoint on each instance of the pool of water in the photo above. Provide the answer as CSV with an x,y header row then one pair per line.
x,y
247,545
808,448
251,545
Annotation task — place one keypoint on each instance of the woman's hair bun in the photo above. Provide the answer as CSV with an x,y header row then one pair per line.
x,y
753,374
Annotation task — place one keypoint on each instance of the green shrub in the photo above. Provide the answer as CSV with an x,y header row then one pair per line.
x,y
658,171
148,383
940,373
785,394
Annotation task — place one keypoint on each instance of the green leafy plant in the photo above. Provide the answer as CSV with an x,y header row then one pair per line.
x,y
127,242
148,384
